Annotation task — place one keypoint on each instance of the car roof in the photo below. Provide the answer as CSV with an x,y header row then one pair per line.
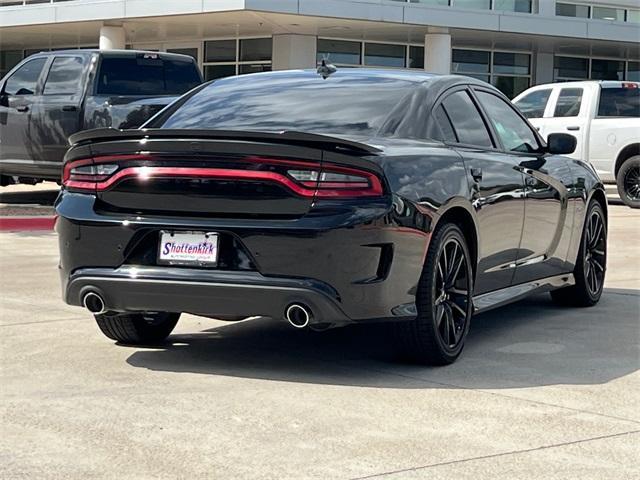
x,y
91,51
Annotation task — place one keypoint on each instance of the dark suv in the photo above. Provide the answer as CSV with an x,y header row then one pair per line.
x,y
51,95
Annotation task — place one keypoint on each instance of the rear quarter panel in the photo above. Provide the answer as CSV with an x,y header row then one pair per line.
x,y
608,137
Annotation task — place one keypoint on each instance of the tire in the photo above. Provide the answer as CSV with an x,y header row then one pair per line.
x,y
437,335
137,328
628,181
591,263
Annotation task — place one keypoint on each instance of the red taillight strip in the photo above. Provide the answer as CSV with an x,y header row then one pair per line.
x,y
144,173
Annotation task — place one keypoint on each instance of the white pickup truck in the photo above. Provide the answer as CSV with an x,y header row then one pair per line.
x,y
604,116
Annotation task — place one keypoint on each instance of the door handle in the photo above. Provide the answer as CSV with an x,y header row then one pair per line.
x,y
69,108
573,128
23,108
476,173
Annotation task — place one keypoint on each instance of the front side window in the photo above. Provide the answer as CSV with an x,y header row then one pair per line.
x,y
619,102
513,131
467,121
65,76
569,102
533,104
24,80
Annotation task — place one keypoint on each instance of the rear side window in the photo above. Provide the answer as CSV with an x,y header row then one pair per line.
x,y
65,76
146,75
24,80
533,104
448,134
514,133
619,102
467,122
569,102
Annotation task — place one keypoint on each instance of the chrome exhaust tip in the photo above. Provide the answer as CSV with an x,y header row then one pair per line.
x,y
298,315
94,303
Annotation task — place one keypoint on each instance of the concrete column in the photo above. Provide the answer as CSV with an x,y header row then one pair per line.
x,y
292,51
437,51
112,38
546,8
543,72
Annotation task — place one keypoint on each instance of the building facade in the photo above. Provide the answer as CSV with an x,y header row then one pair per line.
x,y
512,44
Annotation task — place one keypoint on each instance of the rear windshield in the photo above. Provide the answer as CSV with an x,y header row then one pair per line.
x,y
146,75
619,102
345,103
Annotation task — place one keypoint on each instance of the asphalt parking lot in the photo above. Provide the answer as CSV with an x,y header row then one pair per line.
x,y
540,391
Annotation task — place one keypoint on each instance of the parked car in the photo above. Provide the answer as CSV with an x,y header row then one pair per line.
x,y
51,95
604,116
366,196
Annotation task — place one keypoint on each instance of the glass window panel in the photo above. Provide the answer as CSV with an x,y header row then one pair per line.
x,y
212,72
467,122
64,76
448,134
339,51
633,16
534,104
416,57
384,55
511,63
220,51
605,13
470,61
255,49
619,102
571,10
570,67
633,71
607,70
569,102
24,80
478,4
511,86
9,59
521,6
254,68
283,103
513,131
191,52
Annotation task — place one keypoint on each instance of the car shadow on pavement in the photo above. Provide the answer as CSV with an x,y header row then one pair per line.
x,y
30,197
530,343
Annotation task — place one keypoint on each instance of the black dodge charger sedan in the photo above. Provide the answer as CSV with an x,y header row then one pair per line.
x,y
326,200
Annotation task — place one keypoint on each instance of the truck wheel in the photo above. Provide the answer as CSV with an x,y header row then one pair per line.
x,y
591,265
137,328
444,301
628,180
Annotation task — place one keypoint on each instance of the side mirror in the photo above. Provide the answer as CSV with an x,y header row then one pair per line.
x,y
561,143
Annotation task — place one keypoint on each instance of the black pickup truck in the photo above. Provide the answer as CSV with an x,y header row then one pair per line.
x,y
51,95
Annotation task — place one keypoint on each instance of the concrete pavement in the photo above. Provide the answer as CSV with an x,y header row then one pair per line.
x,y
540,391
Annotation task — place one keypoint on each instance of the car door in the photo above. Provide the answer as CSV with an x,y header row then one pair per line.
x,y
568,112
548,178
56,113
19,92
496,188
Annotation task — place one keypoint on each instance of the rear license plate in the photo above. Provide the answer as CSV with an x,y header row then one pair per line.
x,y
188,248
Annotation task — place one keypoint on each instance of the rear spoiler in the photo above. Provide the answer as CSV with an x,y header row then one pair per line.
x,y
290,137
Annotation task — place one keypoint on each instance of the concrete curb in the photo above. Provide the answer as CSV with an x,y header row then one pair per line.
x,y
26,224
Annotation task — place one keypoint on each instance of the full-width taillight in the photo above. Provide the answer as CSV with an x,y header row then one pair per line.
x,y
303,178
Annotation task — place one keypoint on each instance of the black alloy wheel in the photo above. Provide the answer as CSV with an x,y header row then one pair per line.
x,y
628,181
444,301
591,265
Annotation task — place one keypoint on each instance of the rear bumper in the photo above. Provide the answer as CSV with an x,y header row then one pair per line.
x,y
202,292
348,264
